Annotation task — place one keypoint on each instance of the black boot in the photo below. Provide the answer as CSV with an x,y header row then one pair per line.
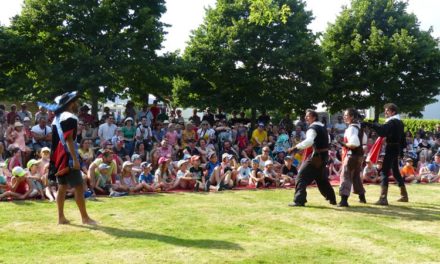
x,y
344,201
362,198
207,185
383,196
403,194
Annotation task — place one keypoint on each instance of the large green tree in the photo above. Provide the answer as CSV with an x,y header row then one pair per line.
x,y
98,46
252,54
377,54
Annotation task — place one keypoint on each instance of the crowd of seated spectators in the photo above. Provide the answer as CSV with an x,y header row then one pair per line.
x,y
155,149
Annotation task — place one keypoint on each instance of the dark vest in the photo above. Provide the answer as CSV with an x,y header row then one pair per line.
x,y
321,139
396,135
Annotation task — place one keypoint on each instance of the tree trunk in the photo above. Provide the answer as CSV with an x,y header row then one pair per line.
x,y
376,113
253,120
94,98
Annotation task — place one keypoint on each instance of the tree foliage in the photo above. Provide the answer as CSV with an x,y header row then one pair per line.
x,y
99,46
252,54
377,54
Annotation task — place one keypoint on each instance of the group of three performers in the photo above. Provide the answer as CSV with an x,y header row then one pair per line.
x,y
314,166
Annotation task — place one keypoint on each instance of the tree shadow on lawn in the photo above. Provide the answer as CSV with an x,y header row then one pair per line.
x,y
137,234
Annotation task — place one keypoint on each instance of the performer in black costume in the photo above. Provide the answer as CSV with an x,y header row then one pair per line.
x,y
393,130
314,167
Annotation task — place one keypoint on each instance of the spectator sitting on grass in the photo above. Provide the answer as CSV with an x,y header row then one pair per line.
x,y
213,172
85,152
370,174
197,173
434,171
21,186
259,137
270,176
15,159
35,178
146,179
248,152
244,173
257,176
184,179
264,157
206,133
102,180
136,169
107,158
163,176
408,171
127,181
41,134
228,172
288,171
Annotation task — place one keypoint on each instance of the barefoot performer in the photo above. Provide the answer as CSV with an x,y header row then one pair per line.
x,y
64,162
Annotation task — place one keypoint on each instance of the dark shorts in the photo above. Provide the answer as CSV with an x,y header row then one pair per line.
x,y
73,178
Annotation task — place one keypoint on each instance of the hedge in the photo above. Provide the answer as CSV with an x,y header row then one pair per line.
x,y
413,125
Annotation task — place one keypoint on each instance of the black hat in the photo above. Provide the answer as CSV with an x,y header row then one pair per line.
x,y
63,100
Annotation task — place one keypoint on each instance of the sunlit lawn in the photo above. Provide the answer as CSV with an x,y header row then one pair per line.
x,y
233,226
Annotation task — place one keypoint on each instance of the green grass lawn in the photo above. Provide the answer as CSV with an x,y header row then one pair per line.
x,y
233,226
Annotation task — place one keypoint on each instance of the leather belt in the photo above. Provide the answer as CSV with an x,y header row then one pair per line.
x,y
320,150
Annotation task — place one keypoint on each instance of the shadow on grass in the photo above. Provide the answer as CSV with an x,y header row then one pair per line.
x,y
400,212
426,212
137,234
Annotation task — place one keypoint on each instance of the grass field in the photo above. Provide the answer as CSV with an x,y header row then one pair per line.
x,y
233,226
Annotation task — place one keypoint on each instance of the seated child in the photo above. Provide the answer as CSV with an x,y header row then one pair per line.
x,y
127,183
184,177
408,171
35,177
21,186
197,173
102,181
257,177
270,176
244,173
146,179
370,174
288,171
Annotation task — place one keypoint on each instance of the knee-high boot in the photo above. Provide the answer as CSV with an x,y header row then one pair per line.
x,y
383,196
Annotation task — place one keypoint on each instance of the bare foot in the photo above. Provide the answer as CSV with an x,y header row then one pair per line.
x,y
89,221
63,221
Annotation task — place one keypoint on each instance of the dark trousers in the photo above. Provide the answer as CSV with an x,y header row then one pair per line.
x,y
313,169
351,176
391,162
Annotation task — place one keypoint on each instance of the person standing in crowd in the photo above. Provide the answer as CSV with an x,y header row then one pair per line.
x,y
340,127
208,116
393,130
264,118
12,116
24,112
313,168
155,110
195,119
352,158
107,130
64,162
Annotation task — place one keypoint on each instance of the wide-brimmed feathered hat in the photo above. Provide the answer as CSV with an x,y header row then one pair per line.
x,y
61,102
